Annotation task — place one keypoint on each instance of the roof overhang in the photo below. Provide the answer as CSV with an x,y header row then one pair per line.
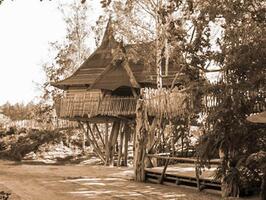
x,y
258,118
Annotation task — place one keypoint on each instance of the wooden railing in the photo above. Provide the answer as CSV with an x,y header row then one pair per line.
x,y
196,179
257,101
96,105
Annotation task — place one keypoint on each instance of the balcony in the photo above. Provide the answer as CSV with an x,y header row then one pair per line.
x,y
92,106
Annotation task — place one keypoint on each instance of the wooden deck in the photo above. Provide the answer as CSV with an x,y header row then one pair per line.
x,y
183,174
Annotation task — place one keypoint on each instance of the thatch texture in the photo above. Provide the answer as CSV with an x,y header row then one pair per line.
x,y
91,105
164,103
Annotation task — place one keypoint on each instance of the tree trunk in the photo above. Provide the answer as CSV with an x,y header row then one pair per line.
x,y
263,185
140,143
223,183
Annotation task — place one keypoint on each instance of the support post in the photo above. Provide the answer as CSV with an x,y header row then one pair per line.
x,y
120,151
106,144
112,141
93,137
163,172
99,133
83,142
97,151
134,140
127,134
197,171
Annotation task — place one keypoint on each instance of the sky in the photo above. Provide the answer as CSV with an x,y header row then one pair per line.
x,y
26,28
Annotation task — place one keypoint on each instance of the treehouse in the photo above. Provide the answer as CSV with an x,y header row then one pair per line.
x,y
105,90
108,83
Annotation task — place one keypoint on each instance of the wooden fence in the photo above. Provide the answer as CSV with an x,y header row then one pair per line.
x,y
256,98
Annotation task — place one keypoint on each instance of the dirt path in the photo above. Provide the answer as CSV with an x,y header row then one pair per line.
x,y
68,182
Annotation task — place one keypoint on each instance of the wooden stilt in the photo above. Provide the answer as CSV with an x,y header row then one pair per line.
x,y
122,132
97,151
99,133
109,145
83,142
92,136
163,172
127,134
106,144
134,140
113,140
197,170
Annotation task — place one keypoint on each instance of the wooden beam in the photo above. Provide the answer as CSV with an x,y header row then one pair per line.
x,y
93,137
97,151
182,159
99,133
106,70
132,78
163,172
133,90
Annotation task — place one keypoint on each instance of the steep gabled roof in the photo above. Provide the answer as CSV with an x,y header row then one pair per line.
x,y
102,71
94,65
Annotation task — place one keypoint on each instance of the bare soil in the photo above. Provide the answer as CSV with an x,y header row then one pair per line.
x,y
68,182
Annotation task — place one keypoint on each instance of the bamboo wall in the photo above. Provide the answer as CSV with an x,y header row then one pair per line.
x,y
90,104
162,102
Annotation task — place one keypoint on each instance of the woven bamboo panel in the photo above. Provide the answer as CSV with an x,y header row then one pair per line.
x,y
163,102
93,104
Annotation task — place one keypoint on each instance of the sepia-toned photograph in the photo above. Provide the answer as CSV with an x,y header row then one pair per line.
x,y
133,99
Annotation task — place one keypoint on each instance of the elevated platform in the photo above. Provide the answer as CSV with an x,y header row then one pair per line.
x,y
183,174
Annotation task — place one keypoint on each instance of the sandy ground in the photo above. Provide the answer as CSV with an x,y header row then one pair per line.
x,y
68,182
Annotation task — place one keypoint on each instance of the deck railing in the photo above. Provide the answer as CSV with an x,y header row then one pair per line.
x,y
96,105
257,101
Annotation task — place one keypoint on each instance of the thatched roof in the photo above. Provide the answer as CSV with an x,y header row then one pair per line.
x,y
100,71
